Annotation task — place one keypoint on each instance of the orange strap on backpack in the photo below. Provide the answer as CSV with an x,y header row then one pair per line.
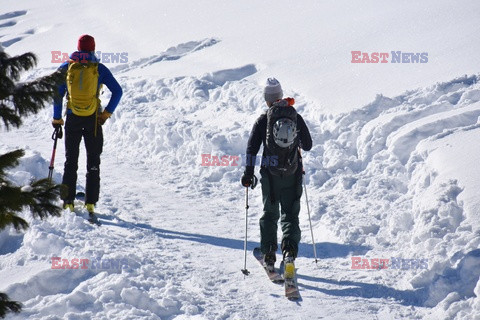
x,y
290,101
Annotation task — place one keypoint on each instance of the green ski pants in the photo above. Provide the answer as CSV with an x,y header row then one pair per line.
x,y
285,193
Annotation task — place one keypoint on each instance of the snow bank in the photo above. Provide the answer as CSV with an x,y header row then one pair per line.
x,y
400,176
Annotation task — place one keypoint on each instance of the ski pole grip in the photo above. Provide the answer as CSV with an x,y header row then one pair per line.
x,y
57,133
254,182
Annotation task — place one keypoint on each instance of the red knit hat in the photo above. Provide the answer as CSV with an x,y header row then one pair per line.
x,y
86,43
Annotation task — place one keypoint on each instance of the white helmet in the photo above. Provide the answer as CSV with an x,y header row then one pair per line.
x,y
284,132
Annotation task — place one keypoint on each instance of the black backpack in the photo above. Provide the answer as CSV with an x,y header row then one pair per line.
x,y
282,141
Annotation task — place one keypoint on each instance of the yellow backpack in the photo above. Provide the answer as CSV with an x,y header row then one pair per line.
x,y
82,86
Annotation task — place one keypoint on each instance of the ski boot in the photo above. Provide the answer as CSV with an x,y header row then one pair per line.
x,y
270,257
90,208
92,218
269,261
289,265
68,204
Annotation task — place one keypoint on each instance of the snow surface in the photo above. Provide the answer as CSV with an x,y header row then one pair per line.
x,y
389,176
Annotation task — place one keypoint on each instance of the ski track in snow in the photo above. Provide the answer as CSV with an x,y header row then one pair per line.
x,y
173,53
11,19
180,224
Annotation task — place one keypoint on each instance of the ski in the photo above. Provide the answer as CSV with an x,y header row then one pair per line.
x,y
274,276
290,281
92,217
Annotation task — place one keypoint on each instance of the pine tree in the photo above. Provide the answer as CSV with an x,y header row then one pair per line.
x,y
17,100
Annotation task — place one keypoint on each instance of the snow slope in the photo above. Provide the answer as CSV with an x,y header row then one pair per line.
x,y
395,178
308,46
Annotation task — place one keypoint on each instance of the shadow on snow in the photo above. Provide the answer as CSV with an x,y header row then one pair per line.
x,y
325,250
356,289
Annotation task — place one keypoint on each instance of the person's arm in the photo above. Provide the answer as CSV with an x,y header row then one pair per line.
x,y
254,143
305,138
107,78
61,90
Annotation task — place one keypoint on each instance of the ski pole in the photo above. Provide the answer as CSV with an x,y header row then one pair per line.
x,y
57,134
308,207
309,219
244,270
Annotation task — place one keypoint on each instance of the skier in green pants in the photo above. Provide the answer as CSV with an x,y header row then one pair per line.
x,y
283,132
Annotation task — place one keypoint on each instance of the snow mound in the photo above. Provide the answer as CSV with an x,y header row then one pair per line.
x,y
397,175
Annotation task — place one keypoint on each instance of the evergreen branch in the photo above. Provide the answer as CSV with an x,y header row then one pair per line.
x,y
7,86
7,219
9,117
30,97
10,199
6,305
41,199
27,98
12,67
9,160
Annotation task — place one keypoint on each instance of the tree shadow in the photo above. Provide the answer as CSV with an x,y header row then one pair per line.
x,y
325,250
180,235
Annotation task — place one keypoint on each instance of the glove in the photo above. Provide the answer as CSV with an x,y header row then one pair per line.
x,y
57,123
102,117
249,180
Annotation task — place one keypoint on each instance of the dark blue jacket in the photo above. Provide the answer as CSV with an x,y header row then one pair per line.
x,y
104,77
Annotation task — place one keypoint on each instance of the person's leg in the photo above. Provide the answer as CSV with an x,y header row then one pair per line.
x,y
94,146
73,136
291,193
269,219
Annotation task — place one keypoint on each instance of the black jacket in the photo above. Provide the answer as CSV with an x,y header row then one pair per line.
x,y
259,135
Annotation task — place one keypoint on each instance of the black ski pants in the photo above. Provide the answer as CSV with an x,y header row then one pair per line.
x,y
77,127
